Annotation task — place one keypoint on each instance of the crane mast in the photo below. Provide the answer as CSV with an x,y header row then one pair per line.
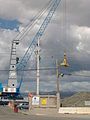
x,y
12,82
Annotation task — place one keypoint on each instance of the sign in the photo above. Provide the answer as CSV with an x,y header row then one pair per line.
x,y
44,101
35,100
9,90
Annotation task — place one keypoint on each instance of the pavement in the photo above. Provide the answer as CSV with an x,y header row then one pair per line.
x,y
41,111
38,114
52,112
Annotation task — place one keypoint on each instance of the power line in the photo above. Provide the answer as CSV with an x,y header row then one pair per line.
x,y
32,69
78,75
50,68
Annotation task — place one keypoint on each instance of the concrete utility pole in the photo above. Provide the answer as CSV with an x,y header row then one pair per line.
x,y
57,83
37,62
64,63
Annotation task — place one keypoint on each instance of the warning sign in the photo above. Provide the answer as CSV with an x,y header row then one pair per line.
x,y
44,101
35,100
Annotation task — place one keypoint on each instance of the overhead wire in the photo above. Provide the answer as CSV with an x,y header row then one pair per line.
x,y
78,75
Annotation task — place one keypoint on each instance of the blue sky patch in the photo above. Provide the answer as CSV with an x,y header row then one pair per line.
x,y
9,24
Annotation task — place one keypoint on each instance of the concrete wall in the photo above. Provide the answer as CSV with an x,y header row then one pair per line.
x,y
51,101
74,110
46,101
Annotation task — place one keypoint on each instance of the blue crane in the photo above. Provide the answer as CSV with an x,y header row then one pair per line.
x,y
37,37
14,67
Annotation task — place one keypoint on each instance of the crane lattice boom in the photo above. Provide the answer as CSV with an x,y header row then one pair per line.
x,y
38,35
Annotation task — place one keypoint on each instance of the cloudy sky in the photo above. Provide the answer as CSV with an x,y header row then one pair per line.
x,y
68,31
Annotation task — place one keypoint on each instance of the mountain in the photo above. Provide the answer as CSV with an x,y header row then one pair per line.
x,y
77,100
62,94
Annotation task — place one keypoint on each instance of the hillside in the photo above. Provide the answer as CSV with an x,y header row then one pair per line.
x,y
77,100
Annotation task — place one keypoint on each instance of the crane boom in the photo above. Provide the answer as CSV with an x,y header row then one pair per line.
x,y
38,35
12,80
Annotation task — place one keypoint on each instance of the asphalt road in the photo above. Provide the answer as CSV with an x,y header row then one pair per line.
x,y
8,114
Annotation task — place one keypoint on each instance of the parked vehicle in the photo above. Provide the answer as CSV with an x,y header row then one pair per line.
x,y
4,101
23,106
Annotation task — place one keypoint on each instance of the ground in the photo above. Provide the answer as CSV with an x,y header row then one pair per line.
x,y
8,114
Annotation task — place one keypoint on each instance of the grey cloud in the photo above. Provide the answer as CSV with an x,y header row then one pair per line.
x,y
78,12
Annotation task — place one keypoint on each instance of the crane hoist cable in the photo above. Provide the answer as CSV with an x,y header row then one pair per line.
x,y
34,20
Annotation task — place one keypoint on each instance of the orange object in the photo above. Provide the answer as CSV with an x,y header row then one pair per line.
x,y
15,109
30,95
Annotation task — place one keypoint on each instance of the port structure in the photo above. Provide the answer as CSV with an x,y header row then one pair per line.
x,y
14,67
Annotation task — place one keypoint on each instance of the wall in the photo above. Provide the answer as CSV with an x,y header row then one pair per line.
x,y
47,101
74,110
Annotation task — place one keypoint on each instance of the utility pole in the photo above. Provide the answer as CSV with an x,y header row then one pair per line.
x,y
38,66
57,83
64,63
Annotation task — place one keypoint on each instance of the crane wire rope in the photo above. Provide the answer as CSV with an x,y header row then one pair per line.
x,y
35,19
